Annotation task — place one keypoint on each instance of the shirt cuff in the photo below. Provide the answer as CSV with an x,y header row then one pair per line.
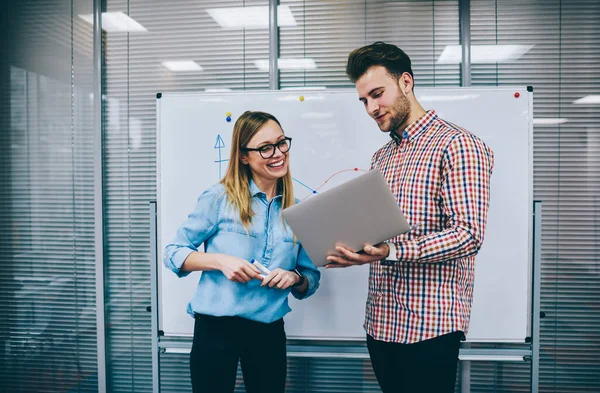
x,y
393,255
406,251
313,284
178,259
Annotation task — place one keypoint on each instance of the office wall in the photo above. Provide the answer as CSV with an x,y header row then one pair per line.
x,y
46,178
562,64
47,279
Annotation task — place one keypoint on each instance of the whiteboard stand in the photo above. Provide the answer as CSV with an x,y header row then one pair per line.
x,y
536,312
465,371
355,350
532,354
153,309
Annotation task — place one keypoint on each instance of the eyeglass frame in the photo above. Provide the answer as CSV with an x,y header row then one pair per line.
x,y
273,145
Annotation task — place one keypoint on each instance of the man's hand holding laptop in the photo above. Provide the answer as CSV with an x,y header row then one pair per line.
x,y
350,258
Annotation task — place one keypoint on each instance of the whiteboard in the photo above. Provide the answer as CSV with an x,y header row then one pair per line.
x,y
333,140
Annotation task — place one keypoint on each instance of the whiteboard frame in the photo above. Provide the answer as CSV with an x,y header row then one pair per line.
x,y
525,90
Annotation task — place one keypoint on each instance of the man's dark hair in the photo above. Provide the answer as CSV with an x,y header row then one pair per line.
x,y
395,61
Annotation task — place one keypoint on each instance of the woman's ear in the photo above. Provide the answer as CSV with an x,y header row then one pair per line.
x,y
244,159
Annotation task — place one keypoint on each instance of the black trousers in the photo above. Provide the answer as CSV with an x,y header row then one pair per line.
x,y
423,367
221,342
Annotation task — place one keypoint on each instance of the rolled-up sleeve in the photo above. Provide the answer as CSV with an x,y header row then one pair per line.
x,y
312,274
200,225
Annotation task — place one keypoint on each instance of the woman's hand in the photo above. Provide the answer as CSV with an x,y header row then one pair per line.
x,y
281,279
238,269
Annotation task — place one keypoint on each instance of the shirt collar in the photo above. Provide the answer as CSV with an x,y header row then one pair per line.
x,y
255,191
415,129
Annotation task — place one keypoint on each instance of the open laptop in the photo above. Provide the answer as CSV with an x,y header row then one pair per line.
x,y
361,210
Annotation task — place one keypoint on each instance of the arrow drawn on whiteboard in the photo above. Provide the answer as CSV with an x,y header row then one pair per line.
x,y
219,145
339,172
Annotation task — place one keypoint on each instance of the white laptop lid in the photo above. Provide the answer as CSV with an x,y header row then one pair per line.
x,y
361,210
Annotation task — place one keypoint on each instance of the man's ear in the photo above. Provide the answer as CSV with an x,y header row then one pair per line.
x,y
405,83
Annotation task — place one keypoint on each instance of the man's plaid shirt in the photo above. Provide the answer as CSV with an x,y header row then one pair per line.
x,y
440,175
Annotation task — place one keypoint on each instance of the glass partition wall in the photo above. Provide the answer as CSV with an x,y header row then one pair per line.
x,y
47,235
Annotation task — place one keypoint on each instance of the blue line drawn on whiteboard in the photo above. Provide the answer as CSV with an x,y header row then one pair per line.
x,y
299,182
220,144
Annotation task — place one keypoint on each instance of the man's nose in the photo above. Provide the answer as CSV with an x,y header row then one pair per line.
x,y
372,107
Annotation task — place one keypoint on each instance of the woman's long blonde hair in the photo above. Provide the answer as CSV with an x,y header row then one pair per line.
x,y
237,178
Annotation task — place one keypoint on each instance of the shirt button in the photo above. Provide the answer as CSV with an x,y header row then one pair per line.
x,y
405,135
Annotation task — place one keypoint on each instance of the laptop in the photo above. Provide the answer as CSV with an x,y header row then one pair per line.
x,y
361,210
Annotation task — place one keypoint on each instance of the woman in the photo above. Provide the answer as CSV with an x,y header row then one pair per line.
x,y
239,309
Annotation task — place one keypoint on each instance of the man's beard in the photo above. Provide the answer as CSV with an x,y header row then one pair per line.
x,y
401,112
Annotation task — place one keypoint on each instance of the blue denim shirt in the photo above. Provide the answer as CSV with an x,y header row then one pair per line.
x,y
269,240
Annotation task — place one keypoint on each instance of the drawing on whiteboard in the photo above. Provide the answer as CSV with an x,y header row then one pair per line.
x,y
304,185
219,145
316,190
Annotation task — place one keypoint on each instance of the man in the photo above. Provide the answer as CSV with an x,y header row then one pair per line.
x,y
420,283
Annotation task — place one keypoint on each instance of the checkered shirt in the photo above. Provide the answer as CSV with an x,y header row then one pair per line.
x,y
440,175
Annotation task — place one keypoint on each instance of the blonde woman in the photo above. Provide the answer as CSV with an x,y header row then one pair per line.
x,y
238,309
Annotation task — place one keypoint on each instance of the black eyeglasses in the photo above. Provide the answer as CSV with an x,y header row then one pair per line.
x,y
268,150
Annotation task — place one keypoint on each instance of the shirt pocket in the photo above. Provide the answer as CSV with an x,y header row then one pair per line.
x,y
285,252
239,229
